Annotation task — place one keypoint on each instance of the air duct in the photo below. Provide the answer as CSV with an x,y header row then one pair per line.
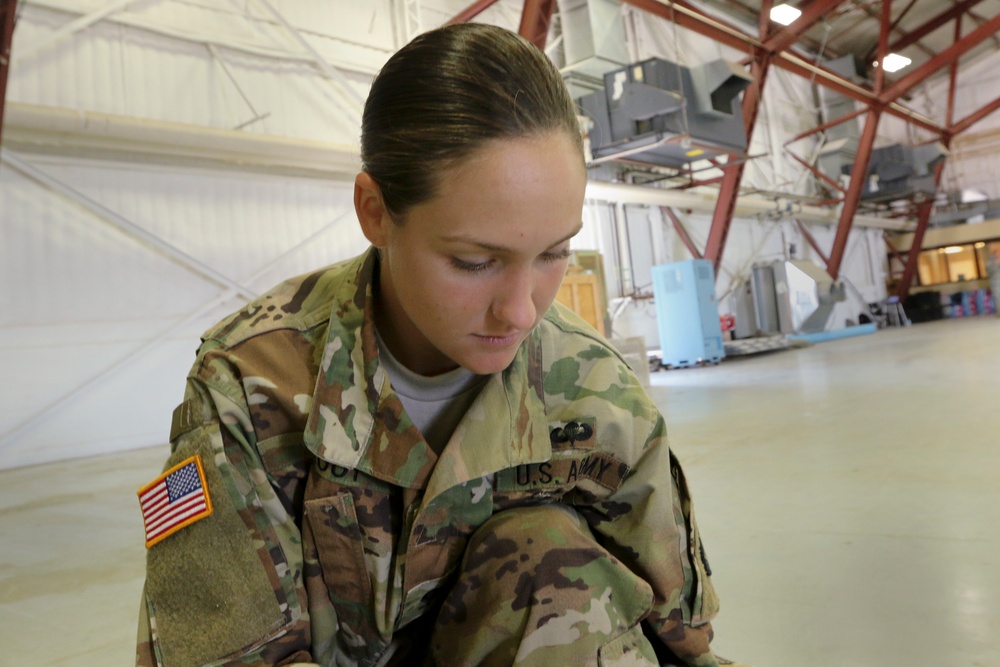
x,y
841,144
593,35
661,113
716,85
902,172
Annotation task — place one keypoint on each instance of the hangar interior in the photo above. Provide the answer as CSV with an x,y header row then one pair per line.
x,y
164,161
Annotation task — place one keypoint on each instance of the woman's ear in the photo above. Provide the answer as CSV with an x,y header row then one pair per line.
x,y
371,211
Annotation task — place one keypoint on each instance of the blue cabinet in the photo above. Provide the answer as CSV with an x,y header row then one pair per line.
x,y
687,314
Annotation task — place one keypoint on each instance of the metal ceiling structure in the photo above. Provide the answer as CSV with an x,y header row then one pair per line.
x,y
919,28
934,34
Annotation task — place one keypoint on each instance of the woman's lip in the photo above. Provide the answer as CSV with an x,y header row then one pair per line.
x,y
499,341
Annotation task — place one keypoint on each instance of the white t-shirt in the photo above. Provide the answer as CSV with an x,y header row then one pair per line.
x,y
435,404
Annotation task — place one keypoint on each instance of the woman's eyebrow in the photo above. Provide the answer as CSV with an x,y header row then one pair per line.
x,y
492,247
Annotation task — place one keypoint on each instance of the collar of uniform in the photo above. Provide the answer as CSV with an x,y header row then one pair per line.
x,y
357,421
349,383
505,427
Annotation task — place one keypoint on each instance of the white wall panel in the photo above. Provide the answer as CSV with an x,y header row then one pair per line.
x,y
89,295
117,68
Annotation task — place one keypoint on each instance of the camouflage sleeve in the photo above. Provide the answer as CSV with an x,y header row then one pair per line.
x,y
227,587
649,524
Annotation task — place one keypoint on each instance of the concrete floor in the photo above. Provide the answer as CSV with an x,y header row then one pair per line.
x,y
848,493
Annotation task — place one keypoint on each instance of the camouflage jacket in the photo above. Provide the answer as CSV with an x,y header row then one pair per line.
x,y
335,525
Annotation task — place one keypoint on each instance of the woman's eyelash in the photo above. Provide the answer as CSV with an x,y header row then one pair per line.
x,y
558,254
471,267
475,267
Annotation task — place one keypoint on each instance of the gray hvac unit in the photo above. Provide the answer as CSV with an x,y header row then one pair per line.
x,y
806,296
786,297
661,113
901,172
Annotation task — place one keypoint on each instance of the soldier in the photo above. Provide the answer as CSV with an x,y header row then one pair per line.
x,y
414,456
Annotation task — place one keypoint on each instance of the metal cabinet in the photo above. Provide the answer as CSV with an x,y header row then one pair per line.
x,y
687,313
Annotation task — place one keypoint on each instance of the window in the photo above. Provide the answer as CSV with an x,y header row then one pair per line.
x,y
957,263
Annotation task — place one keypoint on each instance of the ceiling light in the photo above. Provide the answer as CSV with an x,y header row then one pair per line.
x,y
895,62
784,14
953,249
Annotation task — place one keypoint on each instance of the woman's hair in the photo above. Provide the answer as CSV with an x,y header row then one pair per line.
x,y
445,95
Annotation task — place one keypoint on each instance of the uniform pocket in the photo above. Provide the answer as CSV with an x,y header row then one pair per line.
x,y
339,543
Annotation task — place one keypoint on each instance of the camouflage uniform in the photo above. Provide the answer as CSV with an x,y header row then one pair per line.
x,y
549,526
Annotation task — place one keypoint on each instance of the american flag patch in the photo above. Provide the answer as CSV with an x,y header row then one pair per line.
x,y
175,499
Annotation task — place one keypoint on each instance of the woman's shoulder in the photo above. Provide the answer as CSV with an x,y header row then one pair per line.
x,y
570,335
298,303
587,380
573,351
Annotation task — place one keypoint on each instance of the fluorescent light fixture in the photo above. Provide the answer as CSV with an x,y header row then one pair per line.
x,y
895,62
952,249
784,14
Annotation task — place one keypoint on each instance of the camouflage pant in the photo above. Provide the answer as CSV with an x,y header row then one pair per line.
x,y
536,589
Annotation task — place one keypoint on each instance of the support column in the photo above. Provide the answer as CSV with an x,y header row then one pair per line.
x,y
864,155
729,192
913,257
853,196
812,241
8,14
927,207
682,232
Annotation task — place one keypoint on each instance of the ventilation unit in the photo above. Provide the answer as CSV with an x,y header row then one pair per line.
x,y
901,172
661,113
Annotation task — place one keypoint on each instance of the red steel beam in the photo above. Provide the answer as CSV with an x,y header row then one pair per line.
x,y
902,15
868,57
973,118
949,116
865,145
825,126
913,257
725,205
978,20
933,24
535,19
812,241
471,12
893,251
682,233
816,172
923,219
732,174
943,59
853,196
828,79
8,15
686,16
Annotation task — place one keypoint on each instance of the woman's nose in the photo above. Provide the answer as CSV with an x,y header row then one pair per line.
x,y
515,305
